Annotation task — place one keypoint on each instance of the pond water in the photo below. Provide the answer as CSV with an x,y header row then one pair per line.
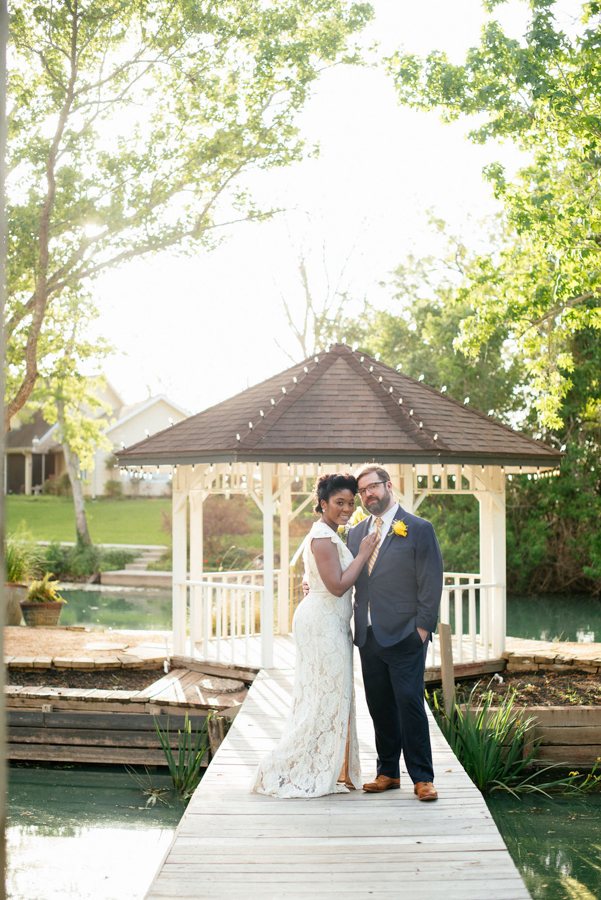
x,y
83,833
127,608
543,618
551,618
555,843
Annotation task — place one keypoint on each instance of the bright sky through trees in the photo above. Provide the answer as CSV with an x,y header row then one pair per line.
x,y
203,328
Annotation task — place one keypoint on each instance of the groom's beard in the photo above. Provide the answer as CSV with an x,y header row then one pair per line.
x,y
378,507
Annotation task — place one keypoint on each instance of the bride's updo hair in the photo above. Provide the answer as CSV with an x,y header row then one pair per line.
x,y
326,485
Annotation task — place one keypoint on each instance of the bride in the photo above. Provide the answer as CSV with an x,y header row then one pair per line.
x,y
308,760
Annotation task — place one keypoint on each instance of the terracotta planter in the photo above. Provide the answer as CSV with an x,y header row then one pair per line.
x,y
41,613
14,592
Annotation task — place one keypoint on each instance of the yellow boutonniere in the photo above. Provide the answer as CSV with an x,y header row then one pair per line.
x,y
398,527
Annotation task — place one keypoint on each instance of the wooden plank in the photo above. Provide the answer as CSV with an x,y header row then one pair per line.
x,y
570,755
562,736
210,667
113,755
566,716
157,687
88,738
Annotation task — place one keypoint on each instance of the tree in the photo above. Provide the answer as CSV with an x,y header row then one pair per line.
x,y
419,328
544,94
322,313
131,124
71,399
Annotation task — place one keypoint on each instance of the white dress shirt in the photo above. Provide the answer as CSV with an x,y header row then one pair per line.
x,y
387,520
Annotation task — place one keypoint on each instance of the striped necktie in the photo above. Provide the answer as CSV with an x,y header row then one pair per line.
x,y
372,559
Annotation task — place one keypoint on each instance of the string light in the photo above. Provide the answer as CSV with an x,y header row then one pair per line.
x,y
399,367
380,378
272,402
436,438
261,413
421,424
377,357
283,390
400,401
421,378
294,379
250,425
237,437
390,389
305,369
466,401
410,412
371,368
443,389
361,359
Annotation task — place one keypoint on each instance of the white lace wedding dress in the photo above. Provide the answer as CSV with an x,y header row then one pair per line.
x,y
310,755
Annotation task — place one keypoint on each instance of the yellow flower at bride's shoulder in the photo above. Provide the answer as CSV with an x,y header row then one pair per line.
x,y
358,516
399,528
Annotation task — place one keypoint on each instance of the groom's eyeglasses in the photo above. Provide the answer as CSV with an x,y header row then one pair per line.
x,y
372,488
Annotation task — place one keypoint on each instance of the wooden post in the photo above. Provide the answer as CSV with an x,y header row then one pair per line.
x,y
284,579
180,567
267,594
446,667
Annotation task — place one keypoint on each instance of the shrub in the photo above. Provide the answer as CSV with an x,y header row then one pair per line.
x,y
113,490
82,561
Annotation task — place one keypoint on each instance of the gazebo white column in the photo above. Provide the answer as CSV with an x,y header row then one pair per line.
x,y
493,552
197,497
267,621
284,577
180,562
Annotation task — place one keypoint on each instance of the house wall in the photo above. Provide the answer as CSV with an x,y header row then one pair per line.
x,y
153,419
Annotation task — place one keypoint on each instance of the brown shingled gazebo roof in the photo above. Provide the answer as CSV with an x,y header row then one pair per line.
x,y
340,405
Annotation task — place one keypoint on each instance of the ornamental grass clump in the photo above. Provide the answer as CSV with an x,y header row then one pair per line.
x,y
495,746
21,559
192,746
490,741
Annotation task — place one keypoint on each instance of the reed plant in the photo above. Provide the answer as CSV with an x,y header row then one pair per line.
x,y
494,744
185,765
21,559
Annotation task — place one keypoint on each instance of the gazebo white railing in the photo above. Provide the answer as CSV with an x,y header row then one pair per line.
x,y
225,613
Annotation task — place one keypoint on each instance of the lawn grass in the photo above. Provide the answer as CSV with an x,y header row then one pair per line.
x,y
47,518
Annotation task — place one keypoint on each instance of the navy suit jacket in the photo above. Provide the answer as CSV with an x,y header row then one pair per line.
x,y
405,585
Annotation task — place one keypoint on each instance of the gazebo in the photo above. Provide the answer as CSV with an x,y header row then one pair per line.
x,y
331,412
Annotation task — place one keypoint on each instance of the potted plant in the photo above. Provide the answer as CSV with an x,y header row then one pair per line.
x,y
18,564
43,604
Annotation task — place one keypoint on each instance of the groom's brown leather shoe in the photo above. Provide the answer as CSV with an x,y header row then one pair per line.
x,y
425,790
382,783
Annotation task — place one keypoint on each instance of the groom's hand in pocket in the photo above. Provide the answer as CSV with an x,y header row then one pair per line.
x,y
423,634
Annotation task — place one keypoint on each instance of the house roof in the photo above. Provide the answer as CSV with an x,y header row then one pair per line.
x,y
340,405
22,437
125,413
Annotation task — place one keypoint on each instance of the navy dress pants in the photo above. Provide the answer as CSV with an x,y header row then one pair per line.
x,y
394,687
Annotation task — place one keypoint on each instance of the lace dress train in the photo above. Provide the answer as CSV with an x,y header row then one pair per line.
x,y
308,759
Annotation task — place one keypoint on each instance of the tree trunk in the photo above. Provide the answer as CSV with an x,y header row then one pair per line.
x,y
81,521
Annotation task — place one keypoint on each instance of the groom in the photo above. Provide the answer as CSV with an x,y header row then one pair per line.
x,y
397,596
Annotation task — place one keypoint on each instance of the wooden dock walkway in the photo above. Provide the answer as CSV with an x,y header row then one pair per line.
x,y
231,843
